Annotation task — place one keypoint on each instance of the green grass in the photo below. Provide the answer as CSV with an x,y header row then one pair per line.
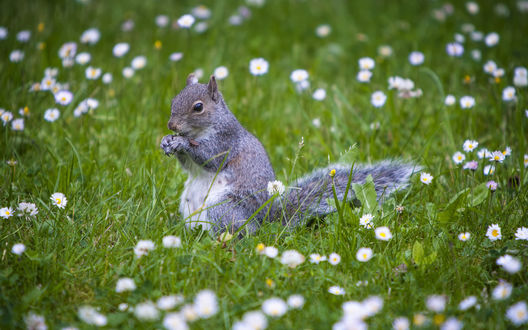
x,y
121,188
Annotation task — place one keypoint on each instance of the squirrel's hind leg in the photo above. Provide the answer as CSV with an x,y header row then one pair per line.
x,y
230,217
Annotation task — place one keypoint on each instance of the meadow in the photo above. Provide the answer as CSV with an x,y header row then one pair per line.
x,y
90,230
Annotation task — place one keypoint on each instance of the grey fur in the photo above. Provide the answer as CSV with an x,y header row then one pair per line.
x,y
214,140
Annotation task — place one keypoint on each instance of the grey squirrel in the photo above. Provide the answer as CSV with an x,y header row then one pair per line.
x,y
229,169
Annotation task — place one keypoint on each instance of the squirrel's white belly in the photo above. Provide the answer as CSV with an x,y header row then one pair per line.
x,y
202,190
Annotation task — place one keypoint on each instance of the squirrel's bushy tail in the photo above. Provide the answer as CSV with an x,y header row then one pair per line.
x,y
307,197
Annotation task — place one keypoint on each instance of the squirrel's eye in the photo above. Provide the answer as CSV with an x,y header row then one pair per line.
x,y
198,107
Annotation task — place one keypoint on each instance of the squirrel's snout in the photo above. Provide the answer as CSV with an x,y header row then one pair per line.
x,y
173,126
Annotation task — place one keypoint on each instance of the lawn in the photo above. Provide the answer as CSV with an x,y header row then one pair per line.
x,y
441,85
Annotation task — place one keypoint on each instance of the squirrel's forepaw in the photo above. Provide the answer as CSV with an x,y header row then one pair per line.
x,y
169,144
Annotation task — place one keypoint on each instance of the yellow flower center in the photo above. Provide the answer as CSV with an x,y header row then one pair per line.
x,y
8,213
497,157
383,235
520,314
63,99
494,233
258,67
470,146
497,80
157,44
40,27
364,256
260,247
438,319
58,201
48,82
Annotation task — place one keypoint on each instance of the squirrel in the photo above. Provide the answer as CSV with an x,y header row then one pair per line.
x,y
229,169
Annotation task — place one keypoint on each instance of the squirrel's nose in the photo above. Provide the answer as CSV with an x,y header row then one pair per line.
x,y
172,125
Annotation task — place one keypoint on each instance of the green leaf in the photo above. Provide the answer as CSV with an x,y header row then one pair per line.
x,y
418,253
458,200
366,193
349,156
479,195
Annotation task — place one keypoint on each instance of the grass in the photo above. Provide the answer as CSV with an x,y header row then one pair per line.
x,y
121,188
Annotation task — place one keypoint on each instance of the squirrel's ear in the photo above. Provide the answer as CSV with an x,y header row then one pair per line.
x,y
213,88
191,79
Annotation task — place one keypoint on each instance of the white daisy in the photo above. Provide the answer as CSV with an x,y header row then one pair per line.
x,y
366,63
93,73
299,75
90,36
221,73
416,58
383,233
258,66
494,232
125,284
492,39
449,100
364,254
63,97
52,114
120,49
138,62
464,236
521,233
467,102
364,76
336,290
316,258
426,177
469,145
319,94
334,258
143,247
458,157
186,21
502,291
274,307
171,241
83,58
518,313
6,212
378,99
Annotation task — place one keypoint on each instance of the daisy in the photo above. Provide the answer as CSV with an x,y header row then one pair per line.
x,y
385,51
127,25
510,264
175,57
258,66
467,102
336,290
494,232
51,114
3,33
138,62
83,58
520,77
162,20
458,157
186,21
492,39
366,63
489,169
383,233
295,301
6,117
68,50
507,151
63,97
467,303
378,99
366,220
364,76
23,36
91,316
175,321
492,185
319,94
92,73
364,254
254,320
490,66
169,302
497,156
120,49
334,259
260,248
146,311
452,323
271,251
508,94
17,124
483,153
201,12
128,72
521,233
27,209
449,100
47,83
274,307
143,247
502,290
316,258
90,36
472,7
401,323
476,54
472,165
464,236
426,178
205,304
416,58
125,284
469,145
498,73
291,258
107,78
171,241
221,72
6,212
16,56
34,321
299,75
518,313
436,303
323,31
275,187
454,49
